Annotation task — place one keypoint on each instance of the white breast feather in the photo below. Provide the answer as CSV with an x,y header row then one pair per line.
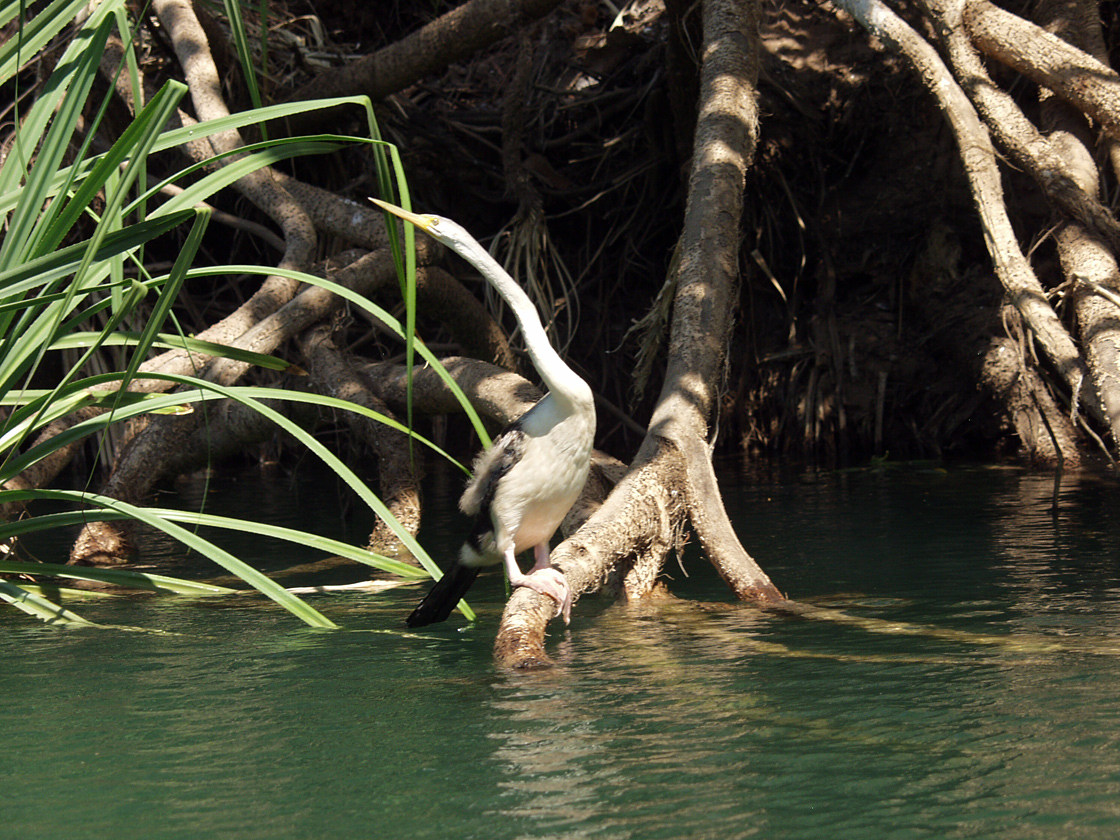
x,y
532,497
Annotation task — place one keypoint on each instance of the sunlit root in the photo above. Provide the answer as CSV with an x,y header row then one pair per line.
x,y
332,374
497,394
204,82
1023,288
1098,319
1088,263
1091,269
671,479
1045,432
1028,148
1078,78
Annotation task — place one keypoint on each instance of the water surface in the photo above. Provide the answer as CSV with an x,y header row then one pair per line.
x,y
696,718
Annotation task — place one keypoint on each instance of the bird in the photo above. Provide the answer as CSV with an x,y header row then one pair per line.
x,y
526,481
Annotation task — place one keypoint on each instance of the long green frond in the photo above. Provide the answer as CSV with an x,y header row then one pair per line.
x,y
39,607
117,577
259,581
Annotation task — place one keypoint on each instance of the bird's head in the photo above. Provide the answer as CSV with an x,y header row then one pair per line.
x,y
441,229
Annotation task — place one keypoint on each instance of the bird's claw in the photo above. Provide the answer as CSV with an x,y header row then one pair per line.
x,y
551,582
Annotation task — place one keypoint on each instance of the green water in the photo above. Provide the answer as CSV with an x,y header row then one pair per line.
x,y
695,719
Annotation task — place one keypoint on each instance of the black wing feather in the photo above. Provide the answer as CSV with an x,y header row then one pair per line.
x,y
441,600
489,469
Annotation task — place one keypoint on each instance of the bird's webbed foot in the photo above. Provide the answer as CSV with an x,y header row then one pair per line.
x,y
545,579
551,582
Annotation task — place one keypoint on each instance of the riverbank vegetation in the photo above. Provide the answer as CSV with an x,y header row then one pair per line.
x,y
828,232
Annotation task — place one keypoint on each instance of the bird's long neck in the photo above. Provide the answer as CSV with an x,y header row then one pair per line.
x,y
562,382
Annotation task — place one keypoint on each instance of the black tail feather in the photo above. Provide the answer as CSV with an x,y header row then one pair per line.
x,y
441,600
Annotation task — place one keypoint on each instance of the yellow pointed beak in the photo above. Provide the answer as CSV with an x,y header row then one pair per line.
x,y
422,222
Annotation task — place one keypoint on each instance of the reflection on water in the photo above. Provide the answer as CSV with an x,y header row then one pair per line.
x,y
696,717
683,733
637,742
